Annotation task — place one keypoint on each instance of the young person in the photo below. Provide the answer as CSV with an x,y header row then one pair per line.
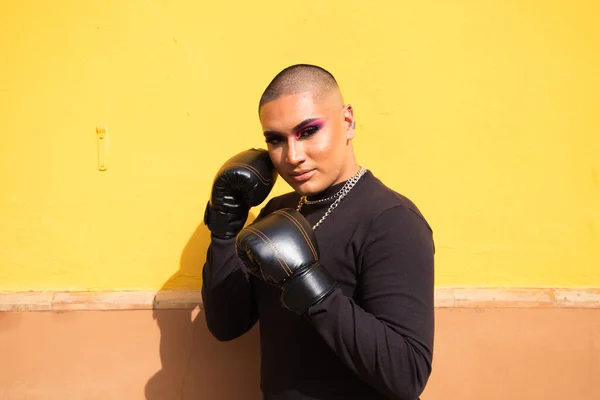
x,y
339,272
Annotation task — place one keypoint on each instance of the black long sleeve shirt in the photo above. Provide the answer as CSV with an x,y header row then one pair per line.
x,y
372,338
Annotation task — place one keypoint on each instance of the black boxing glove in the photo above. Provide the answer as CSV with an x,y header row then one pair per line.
x,y
281,249
244,181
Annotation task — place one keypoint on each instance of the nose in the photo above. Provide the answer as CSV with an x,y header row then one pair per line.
x,y
295,152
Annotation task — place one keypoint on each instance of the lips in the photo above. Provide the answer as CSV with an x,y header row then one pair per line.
x,y
303,175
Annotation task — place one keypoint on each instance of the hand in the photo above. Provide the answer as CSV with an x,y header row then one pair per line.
x,y
281,249
244,181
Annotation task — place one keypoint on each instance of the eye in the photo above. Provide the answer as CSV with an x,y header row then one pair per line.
x,y
308,131
273,139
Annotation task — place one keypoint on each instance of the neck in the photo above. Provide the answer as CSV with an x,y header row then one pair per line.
x,y
348,173
351,168
332,191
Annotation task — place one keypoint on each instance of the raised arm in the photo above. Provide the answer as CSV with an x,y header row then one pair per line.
x,y
244,181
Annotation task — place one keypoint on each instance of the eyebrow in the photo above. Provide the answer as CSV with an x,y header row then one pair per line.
x,y
295,128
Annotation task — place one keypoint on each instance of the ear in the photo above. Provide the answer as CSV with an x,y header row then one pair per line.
x,y
348,114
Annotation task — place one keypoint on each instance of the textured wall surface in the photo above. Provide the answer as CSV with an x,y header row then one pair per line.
x,y
484,113
492,354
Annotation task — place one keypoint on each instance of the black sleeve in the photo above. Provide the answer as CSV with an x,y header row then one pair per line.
x,y
226,292
387,340
228,302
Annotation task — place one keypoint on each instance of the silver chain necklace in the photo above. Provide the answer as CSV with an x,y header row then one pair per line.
x,y
325,200
338,196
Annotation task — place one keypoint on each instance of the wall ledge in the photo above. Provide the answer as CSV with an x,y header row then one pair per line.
x,y
190,299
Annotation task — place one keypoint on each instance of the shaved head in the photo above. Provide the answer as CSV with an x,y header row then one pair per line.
x,y
302,78
308,129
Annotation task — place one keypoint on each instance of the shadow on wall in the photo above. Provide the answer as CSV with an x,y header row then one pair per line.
x,y
194,364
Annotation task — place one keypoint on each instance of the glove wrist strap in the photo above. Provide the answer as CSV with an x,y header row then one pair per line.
x,y
220,223
308,288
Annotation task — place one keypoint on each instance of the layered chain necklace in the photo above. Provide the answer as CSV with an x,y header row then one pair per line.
x,y
338,196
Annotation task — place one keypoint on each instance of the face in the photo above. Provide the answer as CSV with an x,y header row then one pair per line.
x,y
309,140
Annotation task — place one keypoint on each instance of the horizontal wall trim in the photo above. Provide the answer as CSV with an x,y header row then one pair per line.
x,y
190,299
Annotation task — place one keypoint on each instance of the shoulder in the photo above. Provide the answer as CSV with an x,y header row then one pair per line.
x,y
386,206
395,227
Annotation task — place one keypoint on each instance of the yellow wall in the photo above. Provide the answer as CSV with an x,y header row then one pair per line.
x,y
484,113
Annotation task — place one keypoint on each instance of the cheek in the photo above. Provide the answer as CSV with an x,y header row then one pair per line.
x,y
323,146
332,146
318,150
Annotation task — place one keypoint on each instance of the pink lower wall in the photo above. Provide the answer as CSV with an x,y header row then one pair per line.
x,y
482,354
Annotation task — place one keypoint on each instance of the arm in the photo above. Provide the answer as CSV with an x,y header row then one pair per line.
x,y
243,181
226,292
387,340
227,295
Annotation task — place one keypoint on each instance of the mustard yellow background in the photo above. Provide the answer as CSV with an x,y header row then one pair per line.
x,y
485,113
